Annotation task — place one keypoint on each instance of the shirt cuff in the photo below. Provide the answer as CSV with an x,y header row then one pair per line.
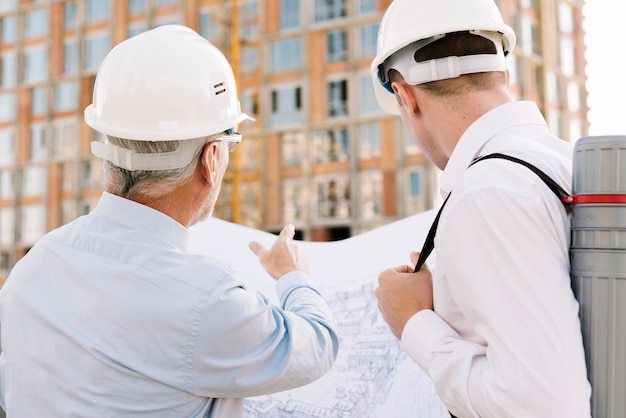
x,y
424,334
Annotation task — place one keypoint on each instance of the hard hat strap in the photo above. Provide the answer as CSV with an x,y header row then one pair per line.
x,y
452,67
134,161
414,72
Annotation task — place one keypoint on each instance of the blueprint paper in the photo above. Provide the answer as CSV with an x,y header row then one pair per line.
x,y
372,377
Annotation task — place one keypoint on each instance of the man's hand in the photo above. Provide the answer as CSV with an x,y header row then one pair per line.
x,y
402,293
284,256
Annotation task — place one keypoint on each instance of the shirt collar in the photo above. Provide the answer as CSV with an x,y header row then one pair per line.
x,y
505,116
137,216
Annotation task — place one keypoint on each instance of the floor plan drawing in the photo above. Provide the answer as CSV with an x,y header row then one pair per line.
x,y
372,376
363,383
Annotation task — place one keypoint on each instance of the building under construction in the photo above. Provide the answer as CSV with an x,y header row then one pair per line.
x,y
321,154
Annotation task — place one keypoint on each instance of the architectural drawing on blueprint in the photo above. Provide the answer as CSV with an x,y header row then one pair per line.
x,y
363,383
372,377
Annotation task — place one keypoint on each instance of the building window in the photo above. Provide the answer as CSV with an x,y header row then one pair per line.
x,y
35,65
415,199
250,153
68,177
98,10
39,101
368,102
66,96
171,19
568,56
70,56
575,129
7,184
552,88
7,225
92,174
528,4
7,147
210,27
136,28
64,143
292,146
7,108
566,17
9,69
336,46
33,223
223,206
286,106
329,9
539,82
290,14
8,5
33,181
331,145
163,3
573,96
286,55
36,23
530,41
249,59
69,211
338,98
554,122
248,25
70,15
370,194
295,200
96,48
37,142
369,141
5,260
250,102
333,196
9,29
367,6
87,205
368,35
250,209
136,6
410,146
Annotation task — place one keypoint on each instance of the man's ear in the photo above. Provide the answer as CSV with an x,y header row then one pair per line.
x,y
209,163
405,97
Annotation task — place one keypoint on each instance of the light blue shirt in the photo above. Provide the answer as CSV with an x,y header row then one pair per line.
x,y
109,316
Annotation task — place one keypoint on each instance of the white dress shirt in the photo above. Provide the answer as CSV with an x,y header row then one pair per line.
x,y
505,338
108,316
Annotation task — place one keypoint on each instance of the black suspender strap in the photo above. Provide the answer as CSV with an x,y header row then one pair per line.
x,y
553,185
429,243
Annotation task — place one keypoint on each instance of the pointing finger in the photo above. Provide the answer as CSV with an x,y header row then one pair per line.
x,y
257,248
288,231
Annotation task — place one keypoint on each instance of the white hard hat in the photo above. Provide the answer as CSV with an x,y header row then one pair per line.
x,y
408,21
165,84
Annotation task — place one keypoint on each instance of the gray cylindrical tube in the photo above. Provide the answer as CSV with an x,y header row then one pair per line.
x,y
598,267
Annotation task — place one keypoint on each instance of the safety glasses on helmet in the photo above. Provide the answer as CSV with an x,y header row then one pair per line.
x,y
231,137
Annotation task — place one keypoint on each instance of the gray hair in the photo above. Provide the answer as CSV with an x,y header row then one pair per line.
x,y
150,183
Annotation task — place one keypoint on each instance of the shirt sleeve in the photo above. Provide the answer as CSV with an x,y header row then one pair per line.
x,y
247,346
518,351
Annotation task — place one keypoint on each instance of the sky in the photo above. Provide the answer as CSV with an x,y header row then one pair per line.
x,y
605,22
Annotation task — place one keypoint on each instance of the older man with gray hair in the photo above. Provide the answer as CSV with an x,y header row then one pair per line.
x,y
109,315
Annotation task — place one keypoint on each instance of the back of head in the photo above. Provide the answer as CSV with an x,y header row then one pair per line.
x,y
157,97
409,26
